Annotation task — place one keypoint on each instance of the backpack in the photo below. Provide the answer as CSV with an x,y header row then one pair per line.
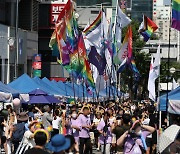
x,y
18,133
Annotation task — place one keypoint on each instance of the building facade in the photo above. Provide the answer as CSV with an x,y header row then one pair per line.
x,y
48,13
140,7
162,17
151,47
16,61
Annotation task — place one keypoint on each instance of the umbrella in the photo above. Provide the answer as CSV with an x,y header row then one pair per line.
x,y
168,136
41,97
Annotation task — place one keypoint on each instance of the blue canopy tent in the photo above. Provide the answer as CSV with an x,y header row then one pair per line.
x,y
113,91
8,89
173,95
47,87
68,89
41,97
25,84
79,89
54,86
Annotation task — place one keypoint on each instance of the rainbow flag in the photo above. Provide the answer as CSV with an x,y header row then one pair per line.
x,y
176,15
147,27
94,24
93,33
86,70
127,55
65,35
79,66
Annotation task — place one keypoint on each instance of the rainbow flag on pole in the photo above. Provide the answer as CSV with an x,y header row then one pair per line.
x,y
147,27
176,14
65,36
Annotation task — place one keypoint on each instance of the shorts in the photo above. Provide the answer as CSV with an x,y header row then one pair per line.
x,y
149,142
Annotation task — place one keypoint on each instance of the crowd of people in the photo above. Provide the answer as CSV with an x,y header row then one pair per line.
x,y
81,128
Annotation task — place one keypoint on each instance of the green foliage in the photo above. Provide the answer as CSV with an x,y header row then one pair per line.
x,y
164,71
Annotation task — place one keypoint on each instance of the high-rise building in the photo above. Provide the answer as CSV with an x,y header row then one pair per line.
x,y
140,7
161,16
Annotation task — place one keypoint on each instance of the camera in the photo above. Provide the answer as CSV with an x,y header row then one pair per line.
x,y
132,133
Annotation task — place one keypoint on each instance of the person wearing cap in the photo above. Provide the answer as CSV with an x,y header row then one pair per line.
x,y
58,144
46,118
40,138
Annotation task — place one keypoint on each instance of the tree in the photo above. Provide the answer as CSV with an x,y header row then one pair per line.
x,y
163,71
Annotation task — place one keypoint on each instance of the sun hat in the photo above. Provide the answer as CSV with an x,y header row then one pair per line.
x,y
58,143
23,116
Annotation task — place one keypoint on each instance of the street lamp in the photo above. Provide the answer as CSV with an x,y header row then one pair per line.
x,y
172,70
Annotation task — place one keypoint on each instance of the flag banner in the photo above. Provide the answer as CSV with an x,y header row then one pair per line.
x,y
97,60
70,45
93,33
153,74
122,66
174,84
134,68
176,14
79,66
96,33
65,36
126,48
126,55
147,27
121,21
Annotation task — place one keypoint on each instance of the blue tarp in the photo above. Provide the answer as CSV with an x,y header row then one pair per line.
x,y
67,89
54,86
46,87
113,91
24,84
172,95
8,89
79,89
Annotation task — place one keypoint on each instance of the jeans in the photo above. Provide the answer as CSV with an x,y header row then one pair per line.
x,y
107,148
85,146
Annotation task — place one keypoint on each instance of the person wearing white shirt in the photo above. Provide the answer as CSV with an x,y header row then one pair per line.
x,y
56,122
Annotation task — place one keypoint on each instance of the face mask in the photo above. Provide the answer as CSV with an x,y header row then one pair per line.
x,y
74,115
139,133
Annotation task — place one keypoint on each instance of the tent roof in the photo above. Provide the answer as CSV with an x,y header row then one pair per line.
x,y
25,84
54,86
172,95
46,87
8,89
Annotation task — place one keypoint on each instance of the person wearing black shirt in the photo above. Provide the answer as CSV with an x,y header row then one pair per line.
x,y
40,140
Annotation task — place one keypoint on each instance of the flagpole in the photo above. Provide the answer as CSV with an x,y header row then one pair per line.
x,y
160,113
168,65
